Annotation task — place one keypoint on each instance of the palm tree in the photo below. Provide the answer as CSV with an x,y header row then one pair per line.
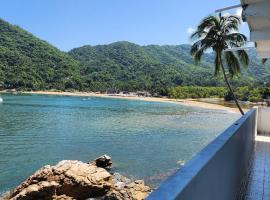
x,y
220,33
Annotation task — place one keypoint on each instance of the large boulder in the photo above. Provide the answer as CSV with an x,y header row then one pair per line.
x,y
75,180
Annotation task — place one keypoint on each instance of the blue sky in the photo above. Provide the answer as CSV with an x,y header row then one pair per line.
x,y
73,23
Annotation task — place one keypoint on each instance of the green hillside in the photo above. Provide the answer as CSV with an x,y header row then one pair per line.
x,y
127,66
28,63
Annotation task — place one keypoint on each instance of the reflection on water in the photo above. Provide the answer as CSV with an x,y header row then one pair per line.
x,y
145,139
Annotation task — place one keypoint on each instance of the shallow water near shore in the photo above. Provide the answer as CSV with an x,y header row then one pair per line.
x,y
146,140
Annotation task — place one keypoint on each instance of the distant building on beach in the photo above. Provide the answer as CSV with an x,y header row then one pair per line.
x,y
143,94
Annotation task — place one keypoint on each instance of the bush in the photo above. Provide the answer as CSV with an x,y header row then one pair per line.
x,y
182,92
253,94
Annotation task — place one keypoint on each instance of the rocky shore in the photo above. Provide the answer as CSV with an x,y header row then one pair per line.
x,y
76,180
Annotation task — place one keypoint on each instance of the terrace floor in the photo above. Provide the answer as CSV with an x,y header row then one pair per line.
x,y
256,185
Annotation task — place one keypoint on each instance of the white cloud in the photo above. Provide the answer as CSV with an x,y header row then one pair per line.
x,y
239,12
190,30
226,14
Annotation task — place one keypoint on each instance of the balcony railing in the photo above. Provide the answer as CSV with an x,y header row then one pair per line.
x,y
217,171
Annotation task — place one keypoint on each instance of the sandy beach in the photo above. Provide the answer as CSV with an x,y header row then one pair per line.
x,y
185,102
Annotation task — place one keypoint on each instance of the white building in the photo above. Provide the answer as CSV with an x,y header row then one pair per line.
x,y
257,14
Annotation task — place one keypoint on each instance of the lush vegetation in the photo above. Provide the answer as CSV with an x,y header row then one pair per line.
x,y
130,67
28,63
181,92
253,94
245,93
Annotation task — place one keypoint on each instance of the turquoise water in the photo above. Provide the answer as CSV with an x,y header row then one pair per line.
x,y
145,139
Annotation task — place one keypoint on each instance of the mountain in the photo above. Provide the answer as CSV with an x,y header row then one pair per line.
x,y
28,63
127,66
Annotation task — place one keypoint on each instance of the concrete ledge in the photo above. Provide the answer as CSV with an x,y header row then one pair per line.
x,y
215,172
263,121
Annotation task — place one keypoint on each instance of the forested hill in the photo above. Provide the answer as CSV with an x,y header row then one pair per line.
x,y
27,62
129,66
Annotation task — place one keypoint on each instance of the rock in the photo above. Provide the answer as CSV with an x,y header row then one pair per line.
x,y
132,191
71,178
120,181
75,180
41,189
104,161
119,178
125,188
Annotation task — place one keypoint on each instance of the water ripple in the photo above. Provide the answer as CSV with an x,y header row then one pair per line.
x,y
145,139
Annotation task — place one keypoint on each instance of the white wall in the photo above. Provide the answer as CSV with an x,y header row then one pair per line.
x,y
263,120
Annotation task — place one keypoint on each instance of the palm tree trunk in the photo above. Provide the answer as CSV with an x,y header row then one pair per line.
x,y
230,87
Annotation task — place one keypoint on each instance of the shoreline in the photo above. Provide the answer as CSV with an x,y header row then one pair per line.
x,y
184,102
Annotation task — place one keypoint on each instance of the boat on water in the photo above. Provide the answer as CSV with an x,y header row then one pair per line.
x,y
1,100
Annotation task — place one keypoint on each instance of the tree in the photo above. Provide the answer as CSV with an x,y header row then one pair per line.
x,y
220,33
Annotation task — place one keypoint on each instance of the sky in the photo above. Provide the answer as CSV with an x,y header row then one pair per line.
x,y
67,24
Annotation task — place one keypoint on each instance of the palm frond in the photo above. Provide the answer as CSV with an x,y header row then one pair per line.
x,y
198,34
208,22
232,18
219,33
232,63
199,47
195,47
236,39
230,24
243,57
198,55
230,27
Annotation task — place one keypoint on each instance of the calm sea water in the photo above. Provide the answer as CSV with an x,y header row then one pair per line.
x,y
145,139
